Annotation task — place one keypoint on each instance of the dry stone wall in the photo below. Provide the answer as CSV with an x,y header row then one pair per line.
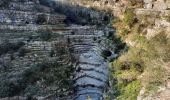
x,y
34,44
158,14
24,44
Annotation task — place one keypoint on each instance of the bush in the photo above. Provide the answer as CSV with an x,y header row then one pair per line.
x,y
53,74
123,32
106,53
6,46
131,91
142,59
52,53
45,35
119,44
129,17
41,19
5,3
22,52
8,89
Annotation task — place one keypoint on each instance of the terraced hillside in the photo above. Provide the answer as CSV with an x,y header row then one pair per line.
x,y
34,61
91,76
43,58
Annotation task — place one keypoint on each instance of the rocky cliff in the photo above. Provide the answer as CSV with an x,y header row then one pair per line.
x,y
146,26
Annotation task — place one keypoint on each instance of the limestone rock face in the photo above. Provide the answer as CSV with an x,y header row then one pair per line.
x,y
91,77
157,13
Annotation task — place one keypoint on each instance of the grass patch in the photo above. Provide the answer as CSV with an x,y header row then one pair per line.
x,y
143,59
127,92
129,17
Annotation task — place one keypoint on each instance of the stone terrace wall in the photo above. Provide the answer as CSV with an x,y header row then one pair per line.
x,y
157,4
22,17
157,15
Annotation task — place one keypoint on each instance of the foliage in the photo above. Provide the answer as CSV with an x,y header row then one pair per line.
x,y
6,46
22,52
5,3
119,44
130,91
8,89
53,74
140,60
41,19
106,53
129,17
45,35
124,32
144,59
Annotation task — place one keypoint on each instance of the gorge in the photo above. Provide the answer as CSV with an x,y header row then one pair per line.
x,y
84,50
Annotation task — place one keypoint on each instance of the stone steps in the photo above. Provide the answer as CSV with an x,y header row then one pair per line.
x,y
81,36
93,68
152,12
91,73
87,91
89,80
93,95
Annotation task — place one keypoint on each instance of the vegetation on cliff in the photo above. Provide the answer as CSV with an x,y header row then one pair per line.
x,y
144,64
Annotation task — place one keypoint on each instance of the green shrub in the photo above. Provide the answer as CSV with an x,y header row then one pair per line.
x,y
53,74
139,59
41,19
106,53
22,52
8,89
5,3
45,35
129,17
123,32
6,46
131,91
52,53
119,44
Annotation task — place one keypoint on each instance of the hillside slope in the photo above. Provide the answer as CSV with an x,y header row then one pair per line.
x,y
43,57
141,71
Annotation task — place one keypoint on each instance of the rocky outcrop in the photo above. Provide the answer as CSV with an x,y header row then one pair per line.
x,y
91,76
156,14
